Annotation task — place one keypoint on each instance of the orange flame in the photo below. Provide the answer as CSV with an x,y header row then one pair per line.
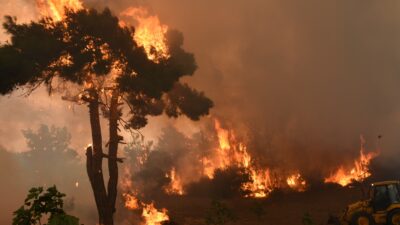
x,y
260,185
56,8
149,32
296,182
175,186
231,152
131,202
150,215
358,172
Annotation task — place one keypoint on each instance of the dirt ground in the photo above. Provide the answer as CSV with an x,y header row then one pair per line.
x,y
278,209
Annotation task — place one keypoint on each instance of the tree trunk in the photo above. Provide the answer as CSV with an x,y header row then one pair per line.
x,y
95,160
112,152
105,199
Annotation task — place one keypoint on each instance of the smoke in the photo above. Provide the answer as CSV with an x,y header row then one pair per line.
x,y
300,80
23,9
49,160
303,80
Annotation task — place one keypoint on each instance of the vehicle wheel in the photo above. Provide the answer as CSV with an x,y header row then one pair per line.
x,y
362,218
393,217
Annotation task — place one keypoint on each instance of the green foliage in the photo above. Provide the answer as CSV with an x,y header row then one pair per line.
x,y
38,204
307,219
78,50
219,214
63,219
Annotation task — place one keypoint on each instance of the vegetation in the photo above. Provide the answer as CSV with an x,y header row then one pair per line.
x,y
39,204
49,144
219,214
95,62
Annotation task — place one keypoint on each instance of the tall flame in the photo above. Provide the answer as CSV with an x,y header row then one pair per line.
x,y
357,172
56,8
231,152
175,186
149,32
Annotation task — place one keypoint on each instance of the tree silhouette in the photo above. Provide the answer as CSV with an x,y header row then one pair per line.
x,y
94,61
53,144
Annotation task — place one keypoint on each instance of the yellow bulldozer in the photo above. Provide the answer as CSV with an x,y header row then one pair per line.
x,y
381,207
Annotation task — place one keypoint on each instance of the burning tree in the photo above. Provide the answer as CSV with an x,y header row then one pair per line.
x,y
93,59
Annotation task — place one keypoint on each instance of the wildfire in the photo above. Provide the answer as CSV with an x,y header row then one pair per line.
x,y
131,202
260,185
56,8
358,172
150,214
296,182
232,152
149,32
175,186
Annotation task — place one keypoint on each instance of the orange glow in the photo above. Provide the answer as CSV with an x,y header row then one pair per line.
x,y
344,175
232,152
149,32
55,8
260,184
131,202
175,186
152,216
296,182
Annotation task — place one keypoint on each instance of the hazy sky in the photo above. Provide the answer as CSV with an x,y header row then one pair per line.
x,y
302,77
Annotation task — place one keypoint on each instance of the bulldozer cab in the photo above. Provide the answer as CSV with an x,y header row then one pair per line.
x,y
383,195
381,207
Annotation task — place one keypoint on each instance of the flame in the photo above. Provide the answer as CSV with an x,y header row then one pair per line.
x,y
149,32
131,202
231,152
296,182
260,184
358,172
56,8
175,186
150,214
